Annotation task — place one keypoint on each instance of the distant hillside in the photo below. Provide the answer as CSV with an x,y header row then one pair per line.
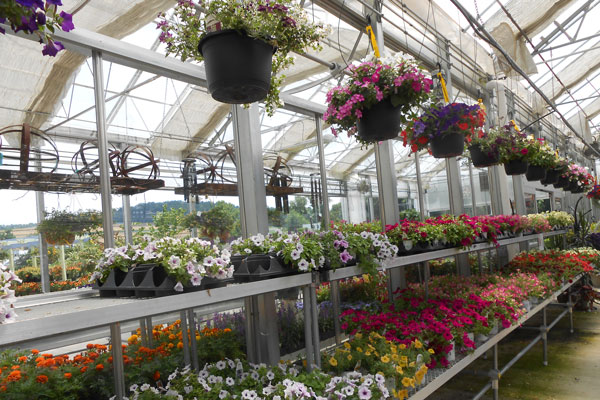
x,y
145,211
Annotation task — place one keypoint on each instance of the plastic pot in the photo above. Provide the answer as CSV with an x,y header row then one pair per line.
x,y
380,122
562,182
535,173
481,159
551,177
238,67
515,167
449,145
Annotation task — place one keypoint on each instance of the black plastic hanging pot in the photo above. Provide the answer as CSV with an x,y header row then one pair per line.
x,y
238,67
575,188
482,159
551,177
515,167
380,122
562,182
535,173
448,145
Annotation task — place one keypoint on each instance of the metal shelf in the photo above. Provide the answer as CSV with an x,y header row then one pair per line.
x,y
479,351
403,261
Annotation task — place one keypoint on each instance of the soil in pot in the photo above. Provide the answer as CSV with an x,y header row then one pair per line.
x,y
448,145
238,67
380,122
482,159
535,173
515,167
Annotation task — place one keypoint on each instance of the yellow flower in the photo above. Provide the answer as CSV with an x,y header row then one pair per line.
x,y
347,345
366,278
395,357
402,394
358,336
431,351
399,370
333,362
412,364
393,349
417,344
359,349
402,346
349,357
367,353
419,376
385,359
132,339
403,361
406,381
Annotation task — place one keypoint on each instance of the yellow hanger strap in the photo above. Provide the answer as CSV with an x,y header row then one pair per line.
x,y
373,41
444,89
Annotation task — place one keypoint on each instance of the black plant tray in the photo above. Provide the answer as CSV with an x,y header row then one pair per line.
x,y
261,266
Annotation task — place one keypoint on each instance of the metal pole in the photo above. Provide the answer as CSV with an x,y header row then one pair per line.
x,y
194,344
184,338
43,246
11,258
315,325
473,194
420,187
127,222
544,330
117,354
335,304
63,263
323,173
495,378
105,190
149,330
308,344
570,304
143,332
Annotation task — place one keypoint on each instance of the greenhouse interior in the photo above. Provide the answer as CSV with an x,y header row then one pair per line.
x,y
345,199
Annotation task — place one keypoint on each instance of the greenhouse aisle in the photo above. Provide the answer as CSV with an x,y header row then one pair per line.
x,y
572,372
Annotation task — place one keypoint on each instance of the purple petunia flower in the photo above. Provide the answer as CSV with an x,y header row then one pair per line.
x,y
52,48
55,2
67,24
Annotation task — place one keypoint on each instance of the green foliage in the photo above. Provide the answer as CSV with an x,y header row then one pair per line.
x,y
295,221
7,234
168,222
276,217
29,274
410,214
335,213
220,221
85,254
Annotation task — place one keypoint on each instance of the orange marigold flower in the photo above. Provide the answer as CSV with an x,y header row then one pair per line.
x,y
156,376
68,375
14,376
39,359
90,346
99,367
83,369
34,351
47,355
226,330
22,358
180,345
15,367
41,379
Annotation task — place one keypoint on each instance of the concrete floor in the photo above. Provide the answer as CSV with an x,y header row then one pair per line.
x,y
573,371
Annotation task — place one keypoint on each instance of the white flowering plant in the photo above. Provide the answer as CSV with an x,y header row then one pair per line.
x,y
257,244
7,295
185,260
369,249
235,379
304,254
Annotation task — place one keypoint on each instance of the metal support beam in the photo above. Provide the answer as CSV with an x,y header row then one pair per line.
x,y
335,304
325,219
63,263
308,336
105,192
263,336
117,355
44,269
127,221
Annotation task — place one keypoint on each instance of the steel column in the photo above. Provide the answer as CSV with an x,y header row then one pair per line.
x,y
117,355
325,219
127,221
315,325
496,378
105,190
43,246
334,287
193,343
544,329
308,335
184,339
63,263
11,260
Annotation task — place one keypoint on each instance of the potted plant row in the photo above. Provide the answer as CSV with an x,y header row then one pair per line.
x,y
162,267
245,45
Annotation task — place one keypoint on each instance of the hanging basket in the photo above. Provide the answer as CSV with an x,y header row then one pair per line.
x,y
238,67
380,122
575,188
535,173
551,177
562,182
58,240
515,167
448,145
481,159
